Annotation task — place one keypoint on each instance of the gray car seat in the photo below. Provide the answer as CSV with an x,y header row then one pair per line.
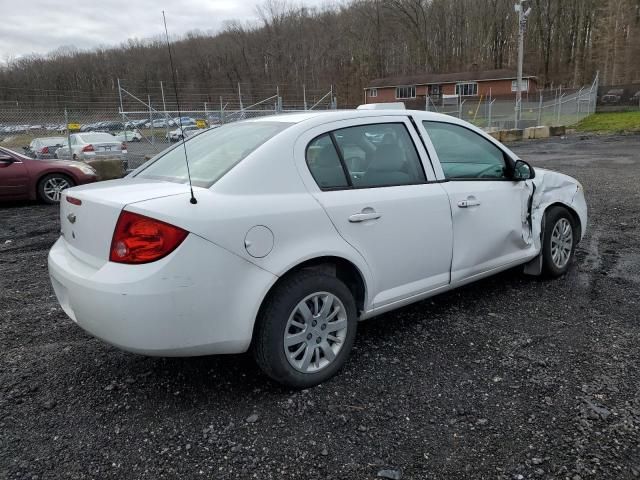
x,y
387,167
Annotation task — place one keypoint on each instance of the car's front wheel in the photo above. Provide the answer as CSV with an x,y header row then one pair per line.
x,y
306,329
51,186
560,238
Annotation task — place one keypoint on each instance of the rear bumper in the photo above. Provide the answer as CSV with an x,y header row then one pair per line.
x,y
199,300
121,155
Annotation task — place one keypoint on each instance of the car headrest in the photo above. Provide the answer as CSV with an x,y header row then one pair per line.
x,y
388,158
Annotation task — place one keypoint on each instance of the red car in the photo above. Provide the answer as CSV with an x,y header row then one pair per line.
x,y
24,178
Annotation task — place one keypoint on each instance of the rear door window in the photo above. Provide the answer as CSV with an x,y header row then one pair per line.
x,y
324,164
365,156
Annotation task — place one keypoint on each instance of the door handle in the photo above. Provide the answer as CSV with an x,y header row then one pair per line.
x,y
469,202
364,216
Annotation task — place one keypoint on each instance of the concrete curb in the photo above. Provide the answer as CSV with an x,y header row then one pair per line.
x,y
532,133
529,133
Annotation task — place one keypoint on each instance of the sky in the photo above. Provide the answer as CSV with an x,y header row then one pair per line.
x,y
42,26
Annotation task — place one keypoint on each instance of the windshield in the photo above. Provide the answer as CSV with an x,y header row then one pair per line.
x,y
212,153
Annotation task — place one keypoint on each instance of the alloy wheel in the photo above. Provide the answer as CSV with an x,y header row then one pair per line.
x,y
561,242
53,188
315,332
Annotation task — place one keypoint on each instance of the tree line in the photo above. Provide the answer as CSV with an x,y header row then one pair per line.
x,y
349,44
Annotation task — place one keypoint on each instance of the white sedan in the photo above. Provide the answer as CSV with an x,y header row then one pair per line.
x,y
177,134
92,146
300,226
128,136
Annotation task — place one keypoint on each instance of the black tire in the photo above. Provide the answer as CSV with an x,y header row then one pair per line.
x,y
268,342
553,216
52,176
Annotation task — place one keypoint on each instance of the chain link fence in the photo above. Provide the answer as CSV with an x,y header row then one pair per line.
x,y
150,123
547,107
146,126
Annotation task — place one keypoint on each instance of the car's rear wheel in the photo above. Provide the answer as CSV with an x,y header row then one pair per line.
x,y
50,187
306,329
559,243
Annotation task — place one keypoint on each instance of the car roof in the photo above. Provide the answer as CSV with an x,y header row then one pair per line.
x,y
323,116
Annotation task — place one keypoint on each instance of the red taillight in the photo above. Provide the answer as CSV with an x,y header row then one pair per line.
x,y
88,148
44,150
140,239
74,200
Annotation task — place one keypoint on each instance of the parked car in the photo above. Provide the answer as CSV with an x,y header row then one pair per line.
x,y
284,244
160,123
88,127
91,145
133,124
128,136
110,127
24,178
184,121
44,147
613,96
177,134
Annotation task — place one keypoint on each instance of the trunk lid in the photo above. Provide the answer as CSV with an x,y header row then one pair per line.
x,y
107,148
88,228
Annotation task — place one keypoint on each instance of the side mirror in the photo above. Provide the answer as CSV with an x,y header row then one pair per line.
x,y
523,171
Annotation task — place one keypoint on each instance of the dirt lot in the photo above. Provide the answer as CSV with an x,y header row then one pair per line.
x,y
510,378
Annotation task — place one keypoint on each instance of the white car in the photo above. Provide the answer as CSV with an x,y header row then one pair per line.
x,y
176,135
160,123
128,136
302,226
91,146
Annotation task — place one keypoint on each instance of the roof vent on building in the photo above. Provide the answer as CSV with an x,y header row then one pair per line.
x,y
382,106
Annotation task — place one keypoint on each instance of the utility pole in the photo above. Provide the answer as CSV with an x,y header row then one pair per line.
x,y
522,24
164,105
124,121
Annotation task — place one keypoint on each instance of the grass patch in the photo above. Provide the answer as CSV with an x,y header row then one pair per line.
x,y
613,122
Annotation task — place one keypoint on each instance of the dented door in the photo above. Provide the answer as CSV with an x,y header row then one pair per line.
x,y
489,210
491,227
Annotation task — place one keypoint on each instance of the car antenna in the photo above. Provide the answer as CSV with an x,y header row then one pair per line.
x,y
175,90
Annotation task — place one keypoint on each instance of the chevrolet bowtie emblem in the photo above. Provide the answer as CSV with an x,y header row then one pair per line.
x,y
71,217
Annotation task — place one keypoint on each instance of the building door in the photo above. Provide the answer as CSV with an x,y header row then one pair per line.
x,y
435,92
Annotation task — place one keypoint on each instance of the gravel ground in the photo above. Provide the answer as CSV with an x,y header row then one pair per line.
x,y
509,378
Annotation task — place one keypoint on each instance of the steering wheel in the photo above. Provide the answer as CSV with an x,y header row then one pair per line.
x,y
492,168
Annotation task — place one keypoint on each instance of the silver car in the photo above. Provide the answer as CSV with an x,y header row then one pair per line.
x,y
45,147
93,145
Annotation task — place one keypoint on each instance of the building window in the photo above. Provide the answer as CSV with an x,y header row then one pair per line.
x,y
524,88
373,92
406,92
467,89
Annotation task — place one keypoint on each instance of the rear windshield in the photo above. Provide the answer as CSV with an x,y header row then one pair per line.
x,y
51,141
97,137
212,153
